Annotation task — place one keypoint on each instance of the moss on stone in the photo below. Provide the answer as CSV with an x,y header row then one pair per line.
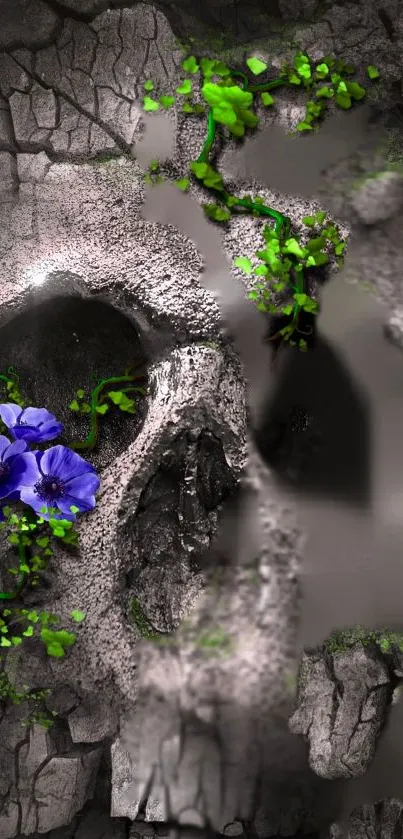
x,y
140,621
340,642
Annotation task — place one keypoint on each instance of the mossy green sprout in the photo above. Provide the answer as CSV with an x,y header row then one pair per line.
x,y
340,642
229,96
141,621
100,402
39,714
215,642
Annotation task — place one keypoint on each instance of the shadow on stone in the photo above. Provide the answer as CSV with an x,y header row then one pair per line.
x,y
315,428
173,526
64,344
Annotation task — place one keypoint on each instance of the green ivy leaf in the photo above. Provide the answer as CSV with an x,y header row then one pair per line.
x,y
267,98
303,126
150,104
261,271
356,91
185,88
216,213
321,70
317,259
115,396
293,246
302,66
340,248
309,221
187,108
148,85
80,393
4,642
190,65
343,100
244,264
182,184
287,310
102,409
316,244
78,616
294,79
256,66
29,631
324,93
167,101
74,406
372,72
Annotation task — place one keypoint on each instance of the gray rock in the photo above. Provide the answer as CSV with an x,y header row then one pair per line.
x,y
342,705
393,329
216,674
378,198
92,721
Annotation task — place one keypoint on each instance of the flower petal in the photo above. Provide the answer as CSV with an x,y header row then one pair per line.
x,y
24,471
36,416
64,463
83,485
51,429
4,444
30,497
9,413
27,432
14,448
84,504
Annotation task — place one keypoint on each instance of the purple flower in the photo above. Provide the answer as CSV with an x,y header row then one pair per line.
x,y
35,425
12,467
62,479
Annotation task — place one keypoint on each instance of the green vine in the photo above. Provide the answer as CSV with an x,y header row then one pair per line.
x,y
228,96
32,537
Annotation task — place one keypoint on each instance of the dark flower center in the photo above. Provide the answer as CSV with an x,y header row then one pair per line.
x,y
50,488
4,471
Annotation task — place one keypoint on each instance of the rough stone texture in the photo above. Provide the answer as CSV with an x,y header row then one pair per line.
x,y
342,702
394,328
213,695
379,198
71,78
37,765
383,820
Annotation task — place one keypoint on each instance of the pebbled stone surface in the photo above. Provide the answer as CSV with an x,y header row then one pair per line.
x,y
71,76
342,703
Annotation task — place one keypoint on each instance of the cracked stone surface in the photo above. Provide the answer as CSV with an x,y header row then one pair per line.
x,y
209,694
75,250
37,766
342,703
383,820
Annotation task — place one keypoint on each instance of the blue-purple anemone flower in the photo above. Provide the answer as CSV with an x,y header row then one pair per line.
x,y
12,467
62,480
35,425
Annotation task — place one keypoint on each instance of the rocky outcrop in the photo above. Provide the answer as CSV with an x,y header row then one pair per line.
x,y
343,700
195,720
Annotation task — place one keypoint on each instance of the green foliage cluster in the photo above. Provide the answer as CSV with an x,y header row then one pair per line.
x,y
339,642
227,100
38,715
100,402
33,539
